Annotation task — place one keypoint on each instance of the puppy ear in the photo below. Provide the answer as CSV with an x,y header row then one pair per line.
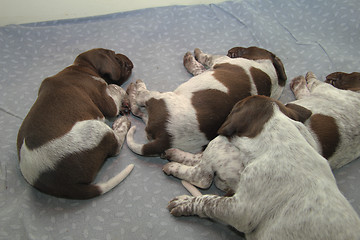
x,y
107,64
248,117
345,81
280,70
228,128
235,52
296,112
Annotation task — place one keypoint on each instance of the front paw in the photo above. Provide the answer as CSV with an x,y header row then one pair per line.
x,y
168,154
312,81
297,83
122,125
181,206
170,168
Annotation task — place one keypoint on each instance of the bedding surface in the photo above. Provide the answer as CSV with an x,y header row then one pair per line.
x,y
308,35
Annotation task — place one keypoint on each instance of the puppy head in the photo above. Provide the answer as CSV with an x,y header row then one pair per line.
x,y
255,53
114,68
249,115
346,81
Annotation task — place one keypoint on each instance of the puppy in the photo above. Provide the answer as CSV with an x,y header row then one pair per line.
x,y
335,120
63,141
189,117
282,187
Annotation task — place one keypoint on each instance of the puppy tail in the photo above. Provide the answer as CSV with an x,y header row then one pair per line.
x,y
153,148
191,188
135,147
81,190
113,182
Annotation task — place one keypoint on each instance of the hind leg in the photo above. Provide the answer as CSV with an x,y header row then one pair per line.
x,y
200,175
179,156
299,87
208,59
138,95
120,128
312,81
193,66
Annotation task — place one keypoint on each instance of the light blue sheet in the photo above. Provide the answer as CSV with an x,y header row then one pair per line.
x,y
308,35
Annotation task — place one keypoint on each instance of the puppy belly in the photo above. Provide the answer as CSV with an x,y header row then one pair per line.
x,y
83,136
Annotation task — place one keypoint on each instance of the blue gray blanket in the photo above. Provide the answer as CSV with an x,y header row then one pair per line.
x,y
308,35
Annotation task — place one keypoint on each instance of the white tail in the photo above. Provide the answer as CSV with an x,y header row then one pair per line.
x,y
135,147
191,188
113,182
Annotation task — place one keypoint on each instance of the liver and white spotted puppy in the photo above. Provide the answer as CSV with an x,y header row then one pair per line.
x,y
189,117
282,187
335,120
63,141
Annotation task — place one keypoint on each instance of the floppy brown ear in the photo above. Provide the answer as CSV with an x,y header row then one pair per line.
x,y
235,52
114,68
247,117
105,63
345,81
280,70
296,112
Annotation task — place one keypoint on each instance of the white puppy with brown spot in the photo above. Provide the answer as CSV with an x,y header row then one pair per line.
x,y
282,187
189,117
63,141
335,120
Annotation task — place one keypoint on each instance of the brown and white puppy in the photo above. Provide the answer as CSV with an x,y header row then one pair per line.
x,y
189,117
335,120
63,141
282,187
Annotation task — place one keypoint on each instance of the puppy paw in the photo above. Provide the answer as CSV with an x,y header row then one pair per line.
x,y
131,89
193,66
132,98
312,81
310,75
181,206
169,153
170,168
298,82
299,87
121,125
197,53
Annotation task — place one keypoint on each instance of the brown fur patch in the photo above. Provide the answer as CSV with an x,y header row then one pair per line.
x,y
50,118
212,106
72,95
248,117
74,174
295,112
345,81
255,53
156,127
327,132
262,81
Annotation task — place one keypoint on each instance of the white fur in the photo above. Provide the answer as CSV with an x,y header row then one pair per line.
x,y
117,94
84,135
282,191
342,105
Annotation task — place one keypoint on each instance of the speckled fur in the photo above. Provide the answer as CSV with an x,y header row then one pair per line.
x,y
341,105
282,191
